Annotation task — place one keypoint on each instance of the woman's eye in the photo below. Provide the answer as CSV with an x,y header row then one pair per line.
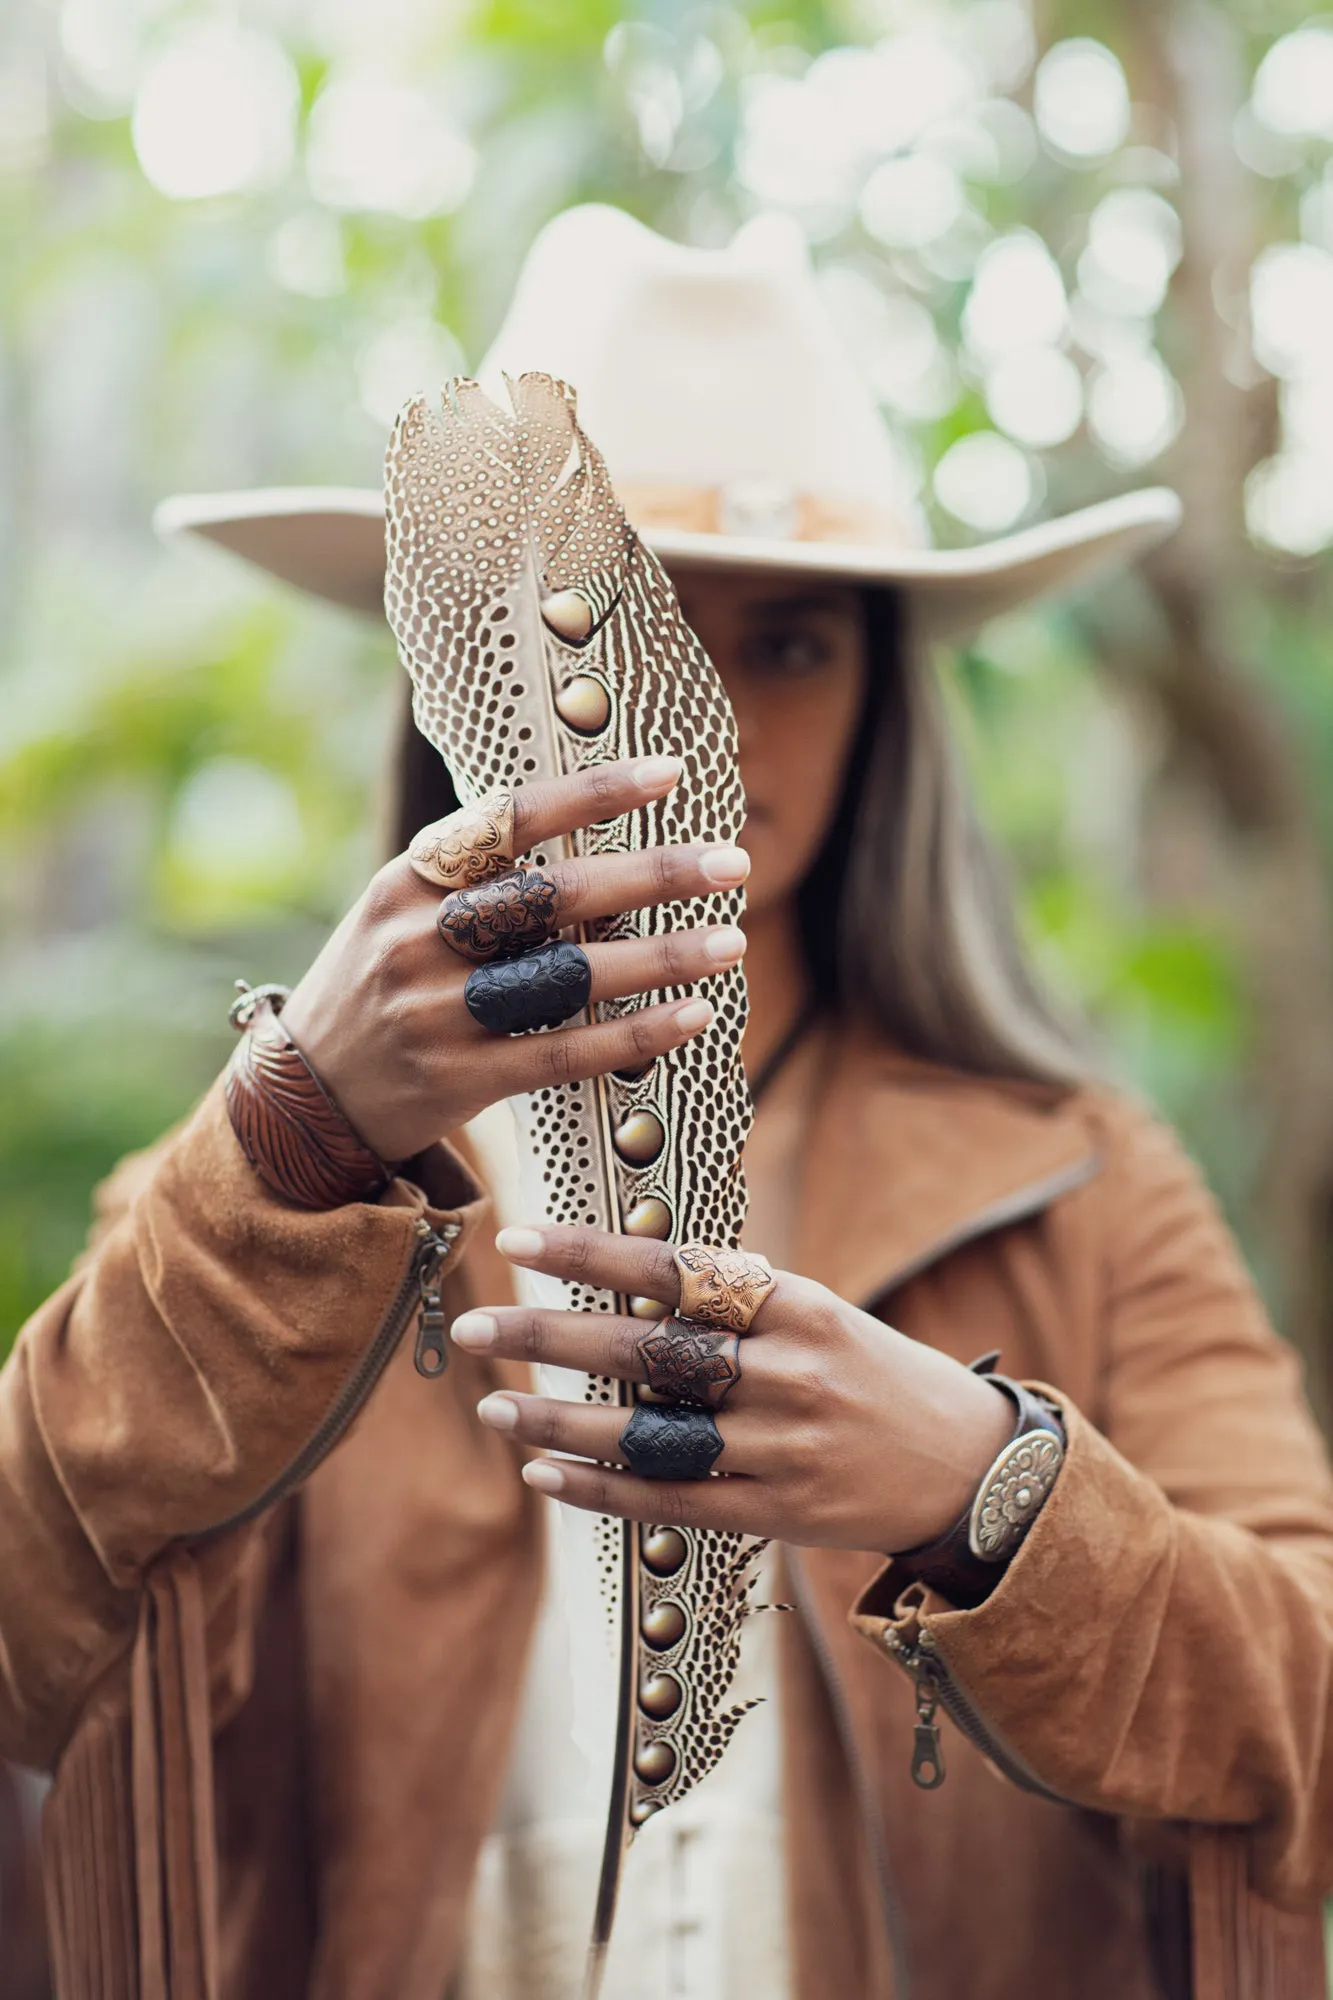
x,y
789,655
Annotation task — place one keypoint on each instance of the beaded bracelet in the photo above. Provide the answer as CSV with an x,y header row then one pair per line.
x,y
289,1127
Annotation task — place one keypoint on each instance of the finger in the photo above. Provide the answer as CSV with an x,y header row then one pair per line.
x,y
595,1343
733,1504
592,1343
549,807
606,885
634,1266
588,1430
675,959
569,1055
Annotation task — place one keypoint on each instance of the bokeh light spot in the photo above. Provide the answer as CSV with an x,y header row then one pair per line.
x,y
1135,410
215,112
1289,503
1081,99
380,146
305,255
985,482
403,360
1017,297
1133,248
230,819
1291,307
910,201
1293,85
1035,395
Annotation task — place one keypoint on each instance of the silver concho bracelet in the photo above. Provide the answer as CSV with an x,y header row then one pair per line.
x,y
967,1562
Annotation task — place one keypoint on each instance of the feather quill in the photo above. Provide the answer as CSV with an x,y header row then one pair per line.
x,y
491,513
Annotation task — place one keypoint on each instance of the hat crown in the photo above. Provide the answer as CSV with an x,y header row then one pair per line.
x,y
737,430
714,381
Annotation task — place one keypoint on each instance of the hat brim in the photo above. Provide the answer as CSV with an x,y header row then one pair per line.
x,y
329,540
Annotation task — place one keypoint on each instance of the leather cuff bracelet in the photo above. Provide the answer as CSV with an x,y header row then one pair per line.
x,y
290,1129
967,1562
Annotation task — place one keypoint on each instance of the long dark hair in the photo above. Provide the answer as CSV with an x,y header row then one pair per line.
x,y
924,944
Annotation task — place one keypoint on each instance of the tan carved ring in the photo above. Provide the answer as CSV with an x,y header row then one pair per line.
x,y
469,846
721,1288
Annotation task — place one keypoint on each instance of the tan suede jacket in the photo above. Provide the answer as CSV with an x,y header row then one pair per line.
x,y
266,1594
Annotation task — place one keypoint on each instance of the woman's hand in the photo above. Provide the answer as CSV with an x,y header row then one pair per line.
x,y
380,1015
840,1432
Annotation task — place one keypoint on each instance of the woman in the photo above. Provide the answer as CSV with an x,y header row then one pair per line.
x,y
299,1678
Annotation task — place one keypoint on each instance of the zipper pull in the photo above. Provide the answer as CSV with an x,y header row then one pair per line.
x,y
927,1754
431,1355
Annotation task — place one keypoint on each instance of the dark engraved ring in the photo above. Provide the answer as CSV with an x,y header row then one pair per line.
x,y
540,990
500,919
668,1441
690,1364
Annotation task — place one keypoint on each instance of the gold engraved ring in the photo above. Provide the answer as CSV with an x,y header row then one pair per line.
x,y
721,1288
469,846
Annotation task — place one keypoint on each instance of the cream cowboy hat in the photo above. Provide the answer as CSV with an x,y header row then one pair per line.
x,y
736,428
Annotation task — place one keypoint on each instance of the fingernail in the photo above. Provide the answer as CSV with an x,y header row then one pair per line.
x,y
543,1477
474,1330
651,774
727,866
498,1413
520,1244
725,947
692,1016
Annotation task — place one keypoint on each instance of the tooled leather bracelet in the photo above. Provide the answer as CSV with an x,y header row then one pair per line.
x,y
289,1127
968,1560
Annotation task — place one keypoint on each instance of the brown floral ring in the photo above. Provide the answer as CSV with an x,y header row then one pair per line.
x,y
471,845
721,1288
700,1365
501,919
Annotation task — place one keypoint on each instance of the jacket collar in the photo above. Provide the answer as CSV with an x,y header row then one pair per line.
x,y
907,1161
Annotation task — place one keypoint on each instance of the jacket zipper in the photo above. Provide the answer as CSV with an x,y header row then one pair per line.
x,y
419,1288
937,1687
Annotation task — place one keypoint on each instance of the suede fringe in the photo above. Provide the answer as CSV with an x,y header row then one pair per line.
x,y
137,1919
1244,1947
89,1868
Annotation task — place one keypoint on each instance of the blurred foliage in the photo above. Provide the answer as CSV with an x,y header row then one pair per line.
x,y
189,755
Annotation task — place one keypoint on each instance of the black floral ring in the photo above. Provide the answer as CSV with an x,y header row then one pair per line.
x,y
668,1441
500,919
540,990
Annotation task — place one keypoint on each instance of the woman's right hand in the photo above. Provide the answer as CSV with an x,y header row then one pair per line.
x,y
380,1015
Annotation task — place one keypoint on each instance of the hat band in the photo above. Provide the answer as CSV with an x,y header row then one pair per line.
x,y
762,510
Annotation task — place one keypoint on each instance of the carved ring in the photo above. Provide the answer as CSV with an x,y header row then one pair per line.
x,y
690,1364
540,990
500,919
667,1441
469,846
721,1288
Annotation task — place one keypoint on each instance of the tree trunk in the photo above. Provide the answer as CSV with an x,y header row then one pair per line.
x,y
1221,722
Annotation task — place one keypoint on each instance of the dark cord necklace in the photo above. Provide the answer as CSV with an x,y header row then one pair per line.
x,y
778,1058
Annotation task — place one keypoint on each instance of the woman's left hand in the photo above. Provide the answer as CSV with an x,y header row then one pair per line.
x,y
840,1432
